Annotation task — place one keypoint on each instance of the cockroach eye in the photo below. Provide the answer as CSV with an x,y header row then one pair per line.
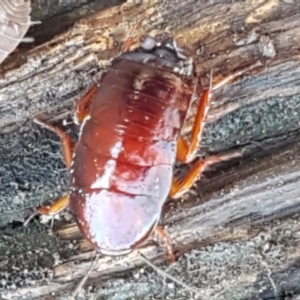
x,y
148,43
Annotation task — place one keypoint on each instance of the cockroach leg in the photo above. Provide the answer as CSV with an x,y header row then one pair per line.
x,y
50,210
82,106
161,233
186,153
127,44
130,40
198,167
56,207
67,147
67,144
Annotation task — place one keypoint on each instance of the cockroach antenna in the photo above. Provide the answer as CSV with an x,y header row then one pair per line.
x,y
84,279
235,75
164,274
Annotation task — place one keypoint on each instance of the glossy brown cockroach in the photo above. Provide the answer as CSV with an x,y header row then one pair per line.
x,y
121,168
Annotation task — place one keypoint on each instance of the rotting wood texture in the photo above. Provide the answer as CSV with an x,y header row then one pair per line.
x,y
236,234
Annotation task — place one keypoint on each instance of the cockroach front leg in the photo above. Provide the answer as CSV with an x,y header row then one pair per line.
x,y
66,141
81,111
130,40
82,106
67,148
56,207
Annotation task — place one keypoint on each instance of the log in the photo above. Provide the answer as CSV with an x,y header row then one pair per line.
x,y
236,233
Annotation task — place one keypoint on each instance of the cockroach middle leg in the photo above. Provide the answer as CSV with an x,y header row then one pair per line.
x,y
67,147
66,142
82,105
160,233
50,210
56,207
186,153
198,167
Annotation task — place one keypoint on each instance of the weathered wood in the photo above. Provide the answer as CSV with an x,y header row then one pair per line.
x,y
236,232
59,16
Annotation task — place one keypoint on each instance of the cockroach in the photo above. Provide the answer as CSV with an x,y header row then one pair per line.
x,y
121,168
14,23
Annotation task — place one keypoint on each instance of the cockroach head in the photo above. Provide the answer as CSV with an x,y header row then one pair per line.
x,y
163,55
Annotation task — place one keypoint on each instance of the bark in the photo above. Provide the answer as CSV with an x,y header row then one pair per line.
x,y
236,232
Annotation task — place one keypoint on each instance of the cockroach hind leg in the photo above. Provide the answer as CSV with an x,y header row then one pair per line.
x,y
198,167
167,243
55,208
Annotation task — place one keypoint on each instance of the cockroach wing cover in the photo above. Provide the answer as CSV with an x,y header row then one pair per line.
x,y
14,23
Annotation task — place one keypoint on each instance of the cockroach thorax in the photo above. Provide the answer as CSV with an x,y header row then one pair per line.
x,y
166,55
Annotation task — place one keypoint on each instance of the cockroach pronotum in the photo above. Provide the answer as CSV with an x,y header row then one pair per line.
x,y
121,168
14,23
